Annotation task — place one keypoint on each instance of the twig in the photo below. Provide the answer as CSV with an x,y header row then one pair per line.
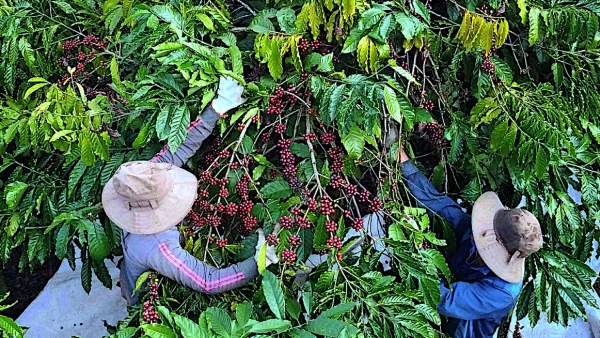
x,y
312,158
247,7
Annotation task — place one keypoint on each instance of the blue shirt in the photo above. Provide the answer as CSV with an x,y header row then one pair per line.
x,y
478,300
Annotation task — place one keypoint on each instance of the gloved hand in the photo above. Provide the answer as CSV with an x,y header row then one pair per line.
x,y
271,254
229,96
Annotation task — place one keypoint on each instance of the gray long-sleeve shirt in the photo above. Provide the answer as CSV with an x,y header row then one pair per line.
x,y
163,253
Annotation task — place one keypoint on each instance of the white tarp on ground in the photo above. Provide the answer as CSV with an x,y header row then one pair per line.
x,y
64,310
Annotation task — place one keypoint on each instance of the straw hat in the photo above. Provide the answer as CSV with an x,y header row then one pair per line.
x,y
147,198
504,237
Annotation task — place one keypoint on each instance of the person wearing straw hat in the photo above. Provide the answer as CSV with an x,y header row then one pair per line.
x,y
147,199
489,263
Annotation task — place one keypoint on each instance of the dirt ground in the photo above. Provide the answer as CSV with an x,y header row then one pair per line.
x,y
24,286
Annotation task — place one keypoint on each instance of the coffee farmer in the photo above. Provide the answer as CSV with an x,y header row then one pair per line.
x,y
147,199
489,263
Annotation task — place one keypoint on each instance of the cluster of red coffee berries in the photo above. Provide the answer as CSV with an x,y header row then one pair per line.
x,y
428,105
334,242
326,206
280,98
331,226
328,138
295,240
488,66
376,205
288,256
435,133
222,243
272,240
289,162
337,160
149,313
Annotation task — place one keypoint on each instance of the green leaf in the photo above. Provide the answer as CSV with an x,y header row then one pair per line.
x,y
179,123
502,70
87,153
86,274
431,291
337,310
300,149
273,294
498,134
293,308
262,258
236,60
557,71
13,193
140,281
158,331
219,321
439,261
286,17
62,239
97,239
354,142
13,225
421,10
299,333
114,71
270,325
430,313
188,328
64,6
589,191
485,111
509,140
329,327
206,21
391,103
522,10
306,247
275,61
243,313
534,25
111,167
162,127
10,327
32,89
276,189
542,161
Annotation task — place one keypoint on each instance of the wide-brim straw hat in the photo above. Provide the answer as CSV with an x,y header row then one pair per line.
x,y
147,198
516,229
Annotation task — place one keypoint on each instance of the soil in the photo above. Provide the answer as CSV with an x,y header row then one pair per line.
x,y
24,286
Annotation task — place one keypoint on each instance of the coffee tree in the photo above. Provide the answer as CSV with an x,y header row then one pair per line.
x,y
487,95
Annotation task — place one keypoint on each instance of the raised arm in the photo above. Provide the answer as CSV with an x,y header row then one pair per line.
x,y
229,96
432,199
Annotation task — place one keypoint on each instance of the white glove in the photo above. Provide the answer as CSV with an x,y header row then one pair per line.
x,y
229,96
271,254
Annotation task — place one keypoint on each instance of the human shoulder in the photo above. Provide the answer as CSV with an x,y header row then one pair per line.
x,y
504,288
